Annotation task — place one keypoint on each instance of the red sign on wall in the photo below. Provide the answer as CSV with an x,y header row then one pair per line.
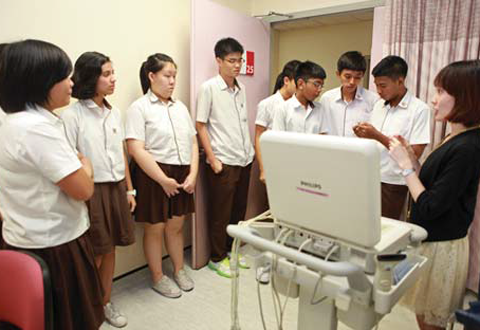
x,y
248,67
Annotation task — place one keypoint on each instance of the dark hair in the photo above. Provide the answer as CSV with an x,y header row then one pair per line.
x,y
154,63
351,61
391,66
2,47
88,68
288,71
226,46
29,70
307,70
461,80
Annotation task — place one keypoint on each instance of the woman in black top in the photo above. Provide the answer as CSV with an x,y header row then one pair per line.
x,y
444,191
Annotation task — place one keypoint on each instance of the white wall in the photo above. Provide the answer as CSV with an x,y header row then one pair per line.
x,y
242,6
127,32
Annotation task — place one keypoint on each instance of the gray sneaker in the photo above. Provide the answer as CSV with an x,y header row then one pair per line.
x,y
113,316
167,288
184,281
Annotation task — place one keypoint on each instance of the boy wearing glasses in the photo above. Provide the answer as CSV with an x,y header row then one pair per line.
x,y
300,113
349,104
222,128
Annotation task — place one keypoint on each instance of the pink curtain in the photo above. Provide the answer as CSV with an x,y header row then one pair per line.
x,y
429,34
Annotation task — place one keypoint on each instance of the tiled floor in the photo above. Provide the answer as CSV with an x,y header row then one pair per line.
x,y
207,307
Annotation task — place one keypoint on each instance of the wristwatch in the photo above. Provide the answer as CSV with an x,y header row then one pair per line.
x,y
407,172
132,192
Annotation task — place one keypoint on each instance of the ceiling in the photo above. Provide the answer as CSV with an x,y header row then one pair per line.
x,y
320,21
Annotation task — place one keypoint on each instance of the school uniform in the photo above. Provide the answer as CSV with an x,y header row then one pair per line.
x,y
2,120
224,111
97,133
341,116
168,132
410,119
293,117
40,217
266,110
265,114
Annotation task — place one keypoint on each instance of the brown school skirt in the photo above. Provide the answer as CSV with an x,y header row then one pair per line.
x,y
76,288
153,205
111,223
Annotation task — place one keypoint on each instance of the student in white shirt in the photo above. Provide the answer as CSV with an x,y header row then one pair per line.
x,y
284,89
400,113
45,182
2,119
349,104
301,113
162,140
222,126
94,128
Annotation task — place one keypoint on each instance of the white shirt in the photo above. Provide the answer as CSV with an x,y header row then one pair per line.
x,y
224,111
293,117
410,119
34,156
166,129
266,110
341,116
98,134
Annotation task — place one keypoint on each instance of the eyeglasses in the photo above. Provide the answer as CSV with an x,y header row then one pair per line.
x,y
317,84
235,60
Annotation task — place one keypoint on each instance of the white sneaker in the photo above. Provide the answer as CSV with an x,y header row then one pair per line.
x,y
167,288
263,274
184,281
113,316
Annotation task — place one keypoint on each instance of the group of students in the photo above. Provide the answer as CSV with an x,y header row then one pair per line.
x,y
444,189
66,190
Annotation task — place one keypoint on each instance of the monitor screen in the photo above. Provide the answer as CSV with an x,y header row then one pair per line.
x,y
326,184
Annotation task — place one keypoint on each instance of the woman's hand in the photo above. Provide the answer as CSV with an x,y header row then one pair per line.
x,y
189,183
400,153
404,142
170,186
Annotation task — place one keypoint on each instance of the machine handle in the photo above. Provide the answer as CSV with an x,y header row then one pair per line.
x,y
355,275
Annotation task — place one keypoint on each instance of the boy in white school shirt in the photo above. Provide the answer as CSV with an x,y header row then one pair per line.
x,y
401,113
300,113
222,128
349,104
284,89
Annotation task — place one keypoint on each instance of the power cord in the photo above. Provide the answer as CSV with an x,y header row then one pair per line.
x,y
290,281
320,278
235,321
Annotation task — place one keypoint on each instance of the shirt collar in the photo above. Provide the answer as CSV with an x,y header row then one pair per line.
x,y
278,95
154,98
223,85
296,102
358,93
404,102
50,116
89,103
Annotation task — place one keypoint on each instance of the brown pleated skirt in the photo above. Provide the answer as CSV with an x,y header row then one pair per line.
x,y
111,223
153,205
76,288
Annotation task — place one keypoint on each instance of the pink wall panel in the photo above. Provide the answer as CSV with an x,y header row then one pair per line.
x,y
211,22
